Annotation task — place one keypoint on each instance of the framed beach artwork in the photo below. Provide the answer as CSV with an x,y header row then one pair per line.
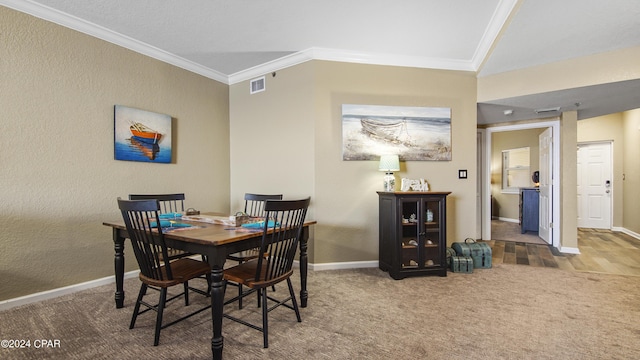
x,y
414,133
141,135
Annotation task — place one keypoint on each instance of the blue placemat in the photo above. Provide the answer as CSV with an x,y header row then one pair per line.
x,y
257,225
173,215
168,224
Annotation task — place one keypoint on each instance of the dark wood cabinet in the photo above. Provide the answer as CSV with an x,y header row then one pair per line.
x,y
413,233
529,209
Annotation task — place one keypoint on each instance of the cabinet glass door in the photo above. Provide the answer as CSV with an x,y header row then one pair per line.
x,y
431,230
411,218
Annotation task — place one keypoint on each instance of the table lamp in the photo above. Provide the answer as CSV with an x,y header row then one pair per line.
x,y
389,164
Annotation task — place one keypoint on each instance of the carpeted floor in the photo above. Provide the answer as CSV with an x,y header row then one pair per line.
x,y
508,312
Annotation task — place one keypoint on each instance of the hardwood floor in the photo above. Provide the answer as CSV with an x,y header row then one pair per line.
x,y
601,251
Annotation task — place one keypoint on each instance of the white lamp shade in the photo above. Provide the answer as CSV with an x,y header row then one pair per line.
x,y
389,163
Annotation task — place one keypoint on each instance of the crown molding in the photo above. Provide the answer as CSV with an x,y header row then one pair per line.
x,y
350,57
498,21
270,66
500,16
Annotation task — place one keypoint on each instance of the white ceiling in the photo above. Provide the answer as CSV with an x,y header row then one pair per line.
x,y
235,40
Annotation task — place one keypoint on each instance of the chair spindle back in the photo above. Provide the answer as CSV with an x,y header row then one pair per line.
x,y
169,203
254,203
282,231
143,226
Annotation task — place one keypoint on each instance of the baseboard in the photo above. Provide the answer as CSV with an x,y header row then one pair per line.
x,y
53,293
517,221
344,265
628,232
569,250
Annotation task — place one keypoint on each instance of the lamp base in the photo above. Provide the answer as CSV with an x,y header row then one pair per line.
x,y
389,182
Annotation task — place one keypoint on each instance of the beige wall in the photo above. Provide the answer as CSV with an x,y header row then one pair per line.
x,y
305,102
596,69
506,205
272,138
609,128
568,180
631,125
59,179
618,65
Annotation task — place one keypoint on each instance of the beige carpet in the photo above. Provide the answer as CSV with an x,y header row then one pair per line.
x,y
508,312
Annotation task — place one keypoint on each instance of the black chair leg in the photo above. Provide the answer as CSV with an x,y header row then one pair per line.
x,y
186,293
240,296
163,300
293,300
265,312
136,309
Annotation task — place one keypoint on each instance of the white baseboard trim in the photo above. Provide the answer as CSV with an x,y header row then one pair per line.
x,y
569,250
628,232
344,265
517,221
53,293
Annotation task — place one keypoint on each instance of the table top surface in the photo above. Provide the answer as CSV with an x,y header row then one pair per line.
x,y
206,233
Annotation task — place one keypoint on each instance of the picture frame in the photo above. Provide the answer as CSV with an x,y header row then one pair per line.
x,y
141,135
414,133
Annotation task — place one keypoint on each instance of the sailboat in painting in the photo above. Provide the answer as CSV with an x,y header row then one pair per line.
x,y
144,133
394,131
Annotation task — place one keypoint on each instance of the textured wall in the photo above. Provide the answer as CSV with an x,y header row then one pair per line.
x,y
602,68
58,178
632,170
301,110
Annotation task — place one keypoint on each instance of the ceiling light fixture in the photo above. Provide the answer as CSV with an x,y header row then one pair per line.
x,y
508,112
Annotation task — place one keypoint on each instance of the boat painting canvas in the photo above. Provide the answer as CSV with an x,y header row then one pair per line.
x,y
141,135
414,133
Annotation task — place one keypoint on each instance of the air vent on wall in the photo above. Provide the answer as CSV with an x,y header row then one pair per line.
x,y
257,85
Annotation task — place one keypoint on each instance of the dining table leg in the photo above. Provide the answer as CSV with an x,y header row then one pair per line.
x,y
304,295
217,303
118,244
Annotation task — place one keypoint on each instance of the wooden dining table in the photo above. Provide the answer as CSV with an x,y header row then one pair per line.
x,y
216,241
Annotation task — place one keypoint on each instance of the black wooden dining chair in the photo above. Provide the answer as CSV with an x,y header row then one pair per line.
x,y
282,231
253,206
156,270
169,203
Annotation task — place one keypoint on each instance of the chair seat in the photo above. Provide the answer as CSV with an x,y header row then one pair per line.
x,y
245,274
183,270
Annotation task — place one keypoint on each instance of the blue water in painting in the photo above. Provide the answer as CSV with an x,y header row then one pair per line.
x,y
133,150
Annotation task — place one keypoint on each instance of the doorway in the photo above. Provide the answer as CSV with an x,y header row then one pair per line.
x,y
555,180
595,185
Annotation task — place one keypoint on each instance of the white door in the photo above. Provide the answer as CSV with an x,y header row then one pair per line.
x,y
595,185
545,140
